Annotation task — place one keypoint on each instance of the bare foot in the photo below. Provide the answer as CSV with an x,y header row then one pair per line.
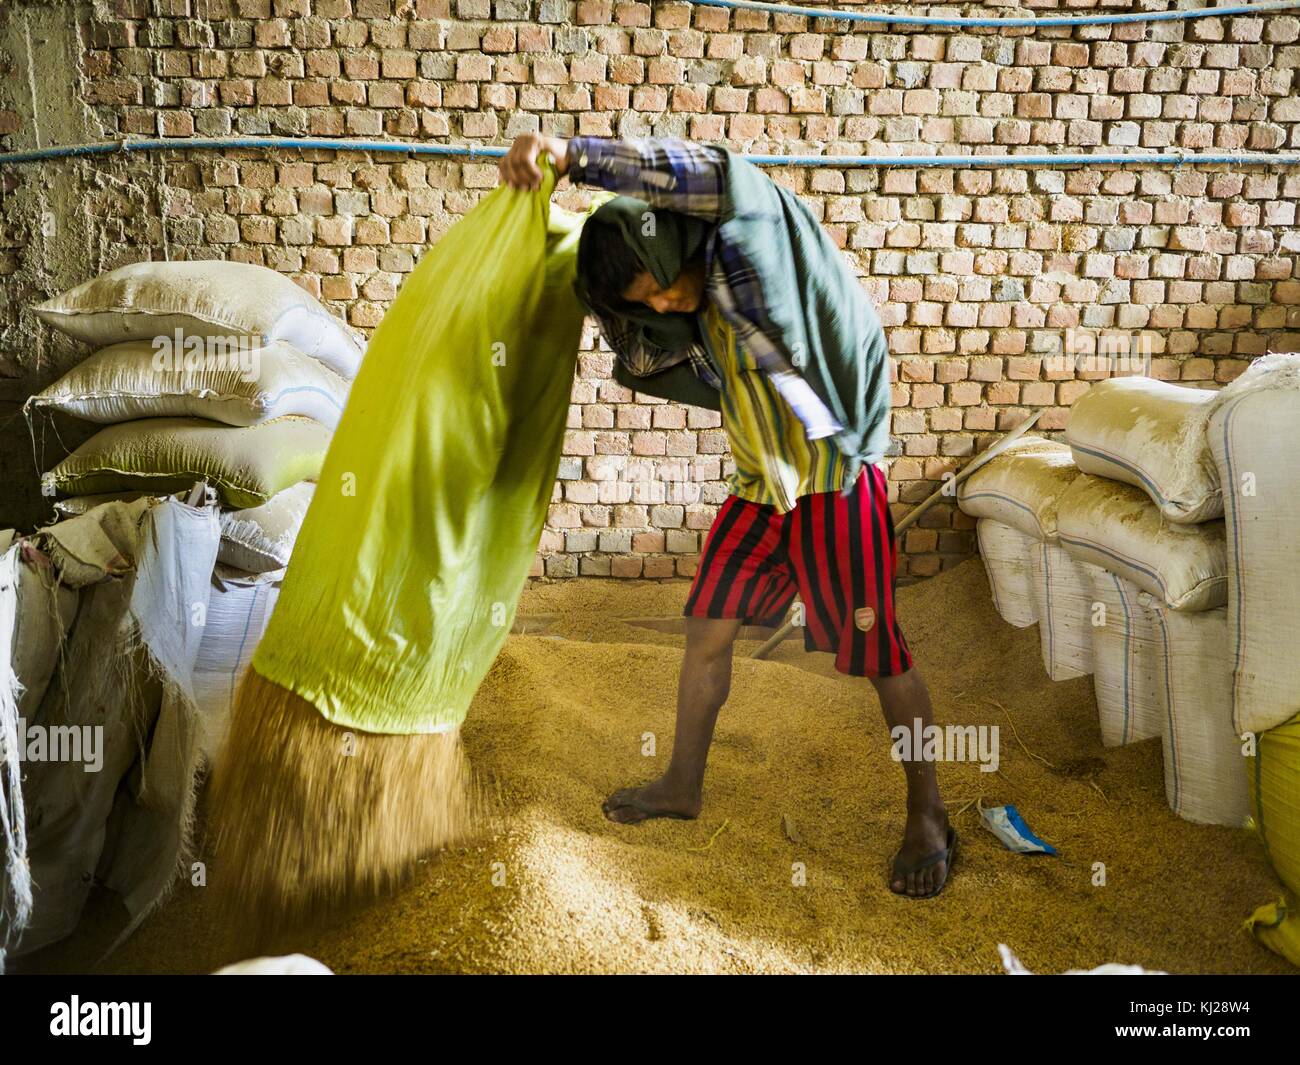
x,y
629,806
925,836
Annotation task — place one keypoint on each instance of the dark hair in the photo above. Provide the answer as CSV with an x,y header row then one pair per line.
x,y
606,264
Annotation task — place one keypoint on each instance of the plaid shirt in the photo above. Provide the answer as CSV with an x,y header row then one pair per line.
x,y
691,179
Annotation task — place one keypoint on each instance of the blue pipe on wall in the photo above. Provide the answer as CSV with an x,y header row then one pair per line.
x,y
473,151
1057,159
886,18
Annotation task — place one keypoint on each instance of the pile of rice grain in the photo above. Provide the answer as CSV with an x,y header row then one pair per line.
x,y
785,871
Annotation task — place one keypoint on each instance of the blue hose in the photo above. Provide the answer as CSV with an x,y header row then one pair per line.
x,y
1007,23
474,151
1059,159
470,151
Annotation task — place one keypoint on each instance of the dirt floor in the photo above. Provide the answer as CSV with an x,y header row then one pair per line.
x,y
785,871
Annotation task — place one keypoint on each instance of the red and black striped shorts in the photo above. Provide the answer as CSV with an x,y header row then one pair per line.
x,y
835,552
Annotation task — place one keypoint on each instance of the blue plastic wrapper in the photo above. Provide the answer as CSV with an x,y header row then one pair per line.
x,y
1006,823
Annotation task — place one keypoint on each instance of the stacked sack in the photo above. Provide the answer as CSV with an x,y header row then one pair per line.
x,y
1015,497
214,371
1148,509
1178,510
1251,433
1113,542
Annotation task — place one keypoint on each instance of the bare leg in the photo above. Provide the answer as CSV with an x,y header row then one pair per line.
x,y
905,700
702,688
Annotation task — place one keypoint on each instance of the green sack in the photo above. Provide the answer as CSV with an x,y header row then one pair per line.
x,y
404,580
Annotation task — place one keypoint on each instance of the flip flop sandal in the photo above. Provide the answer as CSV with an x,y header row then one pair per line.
x,y
945,856
650,812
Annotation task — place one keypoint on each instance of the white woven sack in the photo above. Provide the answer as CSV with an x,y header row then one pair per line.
x,y
1115,526
1253,436
261,539
242,386
1127,661
1021,486
246,465
1205,765
205,298
1063,601
281,965
238,611
1149,434
1007,555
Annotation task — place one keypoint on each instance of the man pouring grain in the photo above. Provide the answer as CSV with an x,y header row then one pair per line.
x,y
713,285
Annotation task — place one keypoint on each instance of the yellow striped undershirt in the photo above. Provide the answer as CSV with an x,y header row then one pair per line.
x,y
775,461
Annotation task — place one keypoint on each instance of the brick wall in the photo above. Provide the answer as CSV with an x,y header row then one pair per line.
x,y
978,273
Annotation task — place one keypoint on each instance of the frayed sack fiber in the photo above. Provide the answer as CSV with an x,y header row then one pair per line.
x,y
1127,660
1149,434
261,539
407,570
1021,487
204,298
1205,759
1008,561
16,887
115,808
257,540
75,506
1063,603
45,612
1252,435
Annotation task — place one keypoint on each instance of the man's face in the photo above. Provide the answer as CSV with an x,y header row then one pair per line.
x,y
683,296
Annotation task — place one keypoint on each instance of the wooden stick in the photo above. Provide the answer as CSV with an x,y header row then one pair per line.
x,y
915,513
